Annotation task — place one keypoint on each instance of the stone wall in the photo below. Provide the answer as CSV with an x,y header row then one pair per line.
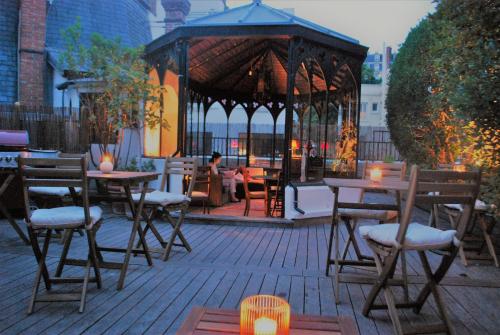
x,y
8,51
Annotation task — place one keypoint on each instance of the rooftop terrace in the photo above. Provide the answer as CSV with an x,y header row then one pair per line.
x,y
228,263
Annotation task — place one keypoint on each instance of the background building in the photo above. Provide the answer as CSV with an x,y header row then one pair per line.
x,y
373,110
30,41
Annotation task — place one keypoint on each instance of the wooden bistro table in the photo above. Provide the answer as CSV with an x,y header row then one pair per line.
x,y
224,322
269,180
335,184
126,180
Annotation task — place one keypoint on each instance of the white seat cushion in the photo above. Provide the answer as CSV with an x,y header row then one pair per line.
x,y
63,217
161,198
478,206
53,190
372,214
418,237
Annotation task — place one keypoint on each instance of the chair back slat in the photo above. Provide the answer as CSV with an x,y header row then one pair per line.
x,y
70,172
389,170
51,162
446,175
53,182
183,166
446,188
54,172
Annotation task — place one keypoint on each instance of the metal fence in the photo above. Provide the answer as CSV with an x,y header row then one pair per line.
x,y
235,148
378,151
48,127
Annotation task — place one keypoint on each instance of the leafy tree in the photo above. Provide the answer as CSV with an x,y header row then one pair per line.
x,y
368,75
118,77
443,91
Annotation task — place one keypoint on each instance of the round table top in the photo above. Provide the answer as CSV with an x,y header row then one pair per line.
x,y
123,175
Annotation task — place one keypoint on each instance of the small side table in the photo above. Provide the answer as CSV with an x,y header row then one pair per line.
x,y
206,321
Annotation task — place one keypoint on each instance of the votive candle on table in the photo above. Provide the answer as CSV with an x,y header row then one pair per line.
x,y
264,315
265,326
375,175
106,165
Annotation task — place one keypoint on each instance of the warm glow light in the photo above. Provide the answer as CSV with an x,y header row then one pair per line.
x,y
234,144
152,133
375,175
253,160
106,165
295,145
264,315
265,326
459,167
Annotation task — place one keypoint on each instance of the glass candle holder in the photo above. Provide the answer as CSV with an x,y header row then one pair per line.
x,y
375,175
106,165
264,315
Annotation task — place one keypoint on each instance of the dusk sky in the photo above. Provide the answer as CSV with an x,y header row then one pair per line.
x,y
372,22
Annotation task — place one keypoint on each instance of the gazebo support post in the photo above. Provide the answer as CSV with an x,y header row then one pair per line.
x,y
205,110
183,89
198,128
289,111
273,153
250,112
191,127
227,139
356,111
325,110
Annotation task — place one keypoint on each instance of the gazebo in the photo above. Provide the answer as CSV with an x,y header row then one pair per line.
x,y
256,56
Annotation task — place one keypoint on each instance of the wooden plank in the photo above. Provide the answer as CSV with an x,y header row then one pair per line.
x,y
297,295
169,314
200,299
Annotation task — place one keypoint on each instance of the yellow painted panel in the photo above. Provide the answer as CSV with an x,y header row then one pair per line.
x,y
170,114
152,134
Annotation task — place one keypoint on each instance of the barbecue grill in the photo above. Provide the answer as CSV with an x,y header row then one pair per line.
x,y
14,143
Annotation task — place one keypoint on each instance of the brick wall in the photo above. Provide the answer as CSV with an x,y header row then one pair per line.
x,y
32,16
8,51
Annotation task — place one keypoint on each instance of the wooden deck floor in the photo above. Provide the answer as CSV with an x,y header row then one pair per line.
x,y
227,264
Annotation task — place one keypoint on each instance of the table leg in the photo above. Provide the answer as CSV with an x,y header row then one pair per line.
x,y
266,198
6,213
135,228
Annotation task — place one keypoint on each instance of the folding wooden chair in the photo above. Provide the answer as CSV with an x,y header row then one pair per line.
x,y
164,202
389,240
60,172
250,195
350,217
46,196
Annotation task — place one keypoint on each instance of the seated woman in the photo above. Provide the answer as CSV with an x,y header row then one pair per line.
x,y
230,177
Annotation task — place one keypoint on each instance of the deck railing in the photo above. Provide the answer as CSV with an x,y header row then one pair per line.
x,y
235,147
48,127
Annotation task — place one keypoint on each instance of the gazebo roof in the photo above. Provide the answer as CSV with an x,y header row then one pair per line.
x,y
244,50
259,14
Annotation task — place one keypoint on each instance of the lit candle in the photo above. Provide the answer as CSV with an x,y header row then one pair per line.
x,y
375,175
265,326
459,167
106,165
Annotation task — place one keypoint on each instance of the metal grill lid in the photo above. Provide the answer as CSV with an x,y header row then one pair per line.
x,y
14,138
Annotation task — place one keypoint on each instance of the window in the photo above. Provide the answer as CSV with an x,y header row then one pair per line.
x,y
364,107
375,107
380,67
